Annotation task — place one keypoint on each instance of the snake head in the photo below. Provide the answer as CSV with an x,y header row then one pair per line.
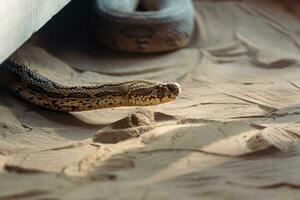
x,y
152,93
168,91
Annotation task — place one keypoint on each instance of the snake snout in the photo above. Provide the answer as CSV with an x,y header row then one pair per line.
x,y
171,91
174,88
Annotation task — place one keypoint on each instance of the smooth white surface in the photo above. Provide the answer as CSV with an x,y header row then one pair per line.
x,y
19,19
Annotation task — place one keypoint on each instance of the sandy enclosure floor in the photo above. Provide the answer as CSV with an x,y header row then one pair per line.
x,y
234,132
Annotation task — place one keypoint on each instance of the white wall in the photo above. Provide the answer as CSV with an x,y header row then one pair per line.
x,y
19,19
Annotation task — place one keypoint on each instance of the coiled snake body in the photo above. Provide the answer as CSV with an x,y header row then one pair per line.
x,y
166,27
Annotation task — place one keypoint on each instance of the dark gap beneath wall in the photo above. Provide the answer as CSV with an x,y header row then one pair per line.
x,y
143,8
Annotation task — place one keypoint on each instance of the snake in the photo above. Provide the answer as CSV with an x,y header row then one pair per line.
x,y
145,26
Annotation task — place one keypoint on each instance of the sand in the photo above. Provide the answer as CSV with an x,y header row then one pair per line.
x,y
233,133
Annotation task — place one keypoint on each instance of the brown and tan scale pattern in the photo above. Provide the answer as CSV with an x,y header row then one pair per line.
x,y
41,91
165,26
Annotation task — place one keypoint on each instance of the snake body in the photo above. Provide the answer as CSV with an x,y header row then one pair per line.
x,y
167,27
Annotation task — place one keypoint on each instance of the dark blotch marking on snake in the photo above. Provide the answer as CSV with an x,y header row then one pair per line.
x,y
10,72
78,95
160,93
18,91
20,73
40,90
113,93
138,31
141,34
73,108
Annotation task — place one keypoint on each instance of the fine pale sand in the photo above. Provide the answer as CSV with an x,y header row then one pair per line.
x,y
233,133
